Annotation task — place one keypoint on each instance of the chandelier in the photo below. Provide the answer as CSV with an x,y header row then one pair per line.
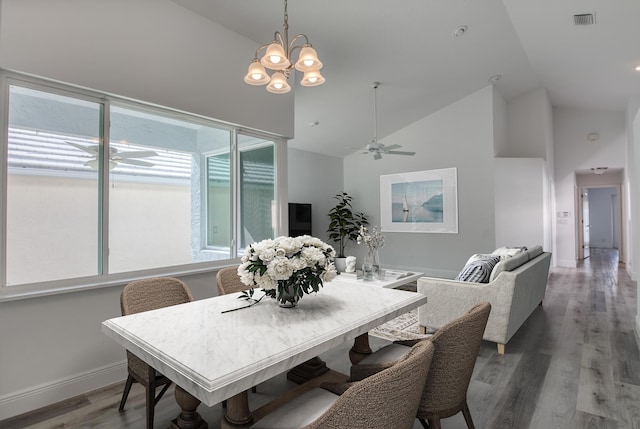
x,y
278,57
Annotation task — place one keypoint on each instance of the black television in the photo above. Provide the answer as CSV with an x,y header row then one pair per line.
x,y
299,219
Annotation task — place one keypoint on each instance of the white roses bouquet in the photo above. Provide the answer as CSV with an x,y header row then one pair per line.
x,y
286,267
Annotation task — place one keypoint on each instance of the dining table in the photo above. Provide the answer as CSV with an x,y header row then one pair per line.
x,y
217,348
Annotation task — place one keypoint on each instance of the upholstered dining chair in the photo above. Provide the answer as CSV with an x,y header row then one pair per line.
x,y
388,399
456,348
145,295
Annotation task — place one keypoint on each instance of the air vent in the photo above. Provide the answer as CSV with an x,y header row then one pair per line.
x,y
584,19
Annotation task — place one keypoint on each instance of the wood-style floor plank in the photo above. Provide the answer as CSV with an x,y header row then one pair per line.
x,y
574,364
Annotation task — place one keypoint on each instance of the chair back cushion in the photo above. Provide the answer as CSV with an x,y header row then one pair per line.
x,y
388,399
150,294
456,348
228,281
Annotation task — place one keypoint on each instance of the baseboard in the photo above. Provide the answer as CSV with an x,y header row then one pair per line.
x,y
566,263
15,403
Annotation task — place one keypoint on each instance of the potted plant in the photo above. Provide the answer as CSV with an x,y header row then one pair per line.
x,y
344,226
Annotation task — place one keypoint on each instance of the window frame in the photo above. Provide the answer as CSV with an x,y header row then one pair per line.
x,y
106,279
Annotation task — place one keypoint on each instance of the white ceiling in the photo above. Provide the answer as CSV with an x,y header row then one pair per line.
x,y
408,46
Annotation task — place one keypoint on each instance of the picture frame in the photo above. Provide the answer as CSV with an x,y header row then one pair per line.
x,y
420,201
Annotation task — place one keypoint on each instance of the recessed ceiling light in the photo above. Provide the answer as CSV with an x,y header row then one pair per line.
x,y
459,31
494,79
637,68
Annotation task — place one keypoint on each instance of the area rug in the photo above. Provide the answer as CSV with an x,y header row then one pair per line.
x,y
404,327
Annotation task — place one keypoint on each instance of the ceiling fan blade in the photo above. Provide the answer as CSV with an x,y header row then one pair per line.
x,y
392,147
400,152
136,154
135,162
377,156
93,150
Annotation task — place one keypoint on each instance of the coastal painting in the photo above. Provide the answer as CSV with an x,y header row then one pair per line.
x,y
420,201
417,201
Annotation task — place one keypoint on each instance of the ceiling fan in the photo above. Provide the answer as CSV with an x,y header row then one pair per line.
x,y
375,148
115,156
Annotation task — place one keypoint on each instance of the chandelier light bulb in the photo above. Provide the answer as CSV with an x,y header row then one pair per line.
x,y
312,78
308,59
275,57
256,75
278,84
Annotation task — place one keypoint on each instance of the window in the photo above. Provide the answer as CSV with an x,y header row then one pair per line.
x,y
153,190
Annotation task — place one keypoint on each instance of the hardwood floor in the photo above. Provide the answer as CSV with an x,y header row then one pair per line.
x,y
575,363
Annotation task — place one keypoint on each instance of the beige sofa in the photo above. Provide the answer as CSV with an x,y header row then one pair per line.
x,y
516,287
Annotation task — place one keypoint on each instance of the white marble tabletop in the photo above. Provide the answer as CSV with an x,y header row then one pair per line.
x,y
215,355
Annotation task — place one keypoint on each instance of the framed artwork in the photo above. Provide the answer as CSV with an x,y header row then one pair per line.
x,y
420,201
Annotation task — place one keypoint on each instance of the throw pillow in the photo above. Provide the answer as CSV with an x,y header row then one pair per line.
x,y
478,257
478,270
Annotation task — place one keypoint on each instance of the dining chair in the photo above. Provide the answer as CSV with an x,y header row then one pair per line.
x,y
456,348
145,295
388,399
228,281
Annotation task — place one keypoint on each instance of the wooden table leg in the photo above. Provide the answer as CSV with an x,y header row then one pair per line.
x,y
237,414
304,372
360,348
189,417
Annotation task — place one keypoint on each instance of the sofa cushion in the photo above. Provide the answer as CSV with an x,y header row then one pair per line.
x,y
509,264
479,268
506,252
534,252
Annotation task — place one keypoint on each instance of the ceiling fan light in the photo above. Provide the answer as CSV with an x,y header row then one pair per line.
x,y
312,78
278,84
308,59
275,58
256,75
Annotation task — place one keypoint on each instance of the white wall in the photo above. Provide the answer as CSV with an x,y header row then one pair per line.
x,y
530,135
521,202
529,129
150,50
633,207
460,135
315,179
574,152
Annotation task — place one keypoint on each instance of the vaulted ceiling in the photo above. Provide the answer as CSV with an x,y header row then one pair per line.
x,y
409,47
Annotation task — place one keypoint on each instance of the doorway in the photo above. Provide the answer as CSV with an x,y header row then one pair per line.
x,y
599,219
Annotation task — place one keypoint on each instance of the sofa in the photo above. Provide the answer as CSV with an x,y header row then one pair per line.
x,y
515,288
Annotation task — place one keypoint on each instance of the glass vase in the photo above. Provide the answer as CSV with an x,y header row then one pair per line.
x,y
371,265
287,296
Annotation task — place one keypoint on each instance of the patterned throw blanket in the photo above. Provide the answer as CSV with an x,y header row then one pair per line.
x,y
404,327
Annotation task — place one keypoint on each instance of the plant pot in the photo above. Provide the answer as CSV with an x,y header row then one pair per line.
x,y
341,264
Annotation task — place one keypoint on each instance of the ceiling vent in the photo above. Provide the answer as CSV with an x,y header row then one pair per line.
x,y
584,19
